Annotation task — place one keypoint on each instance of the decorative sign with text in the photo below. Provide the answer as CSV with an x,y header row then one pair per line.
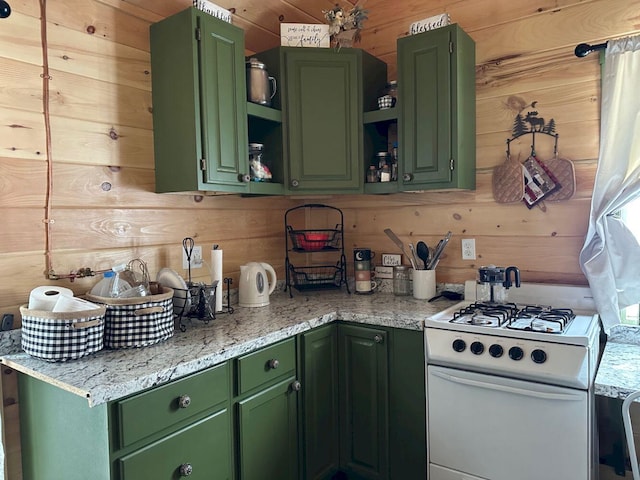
x,y
430,23
304,35
213,10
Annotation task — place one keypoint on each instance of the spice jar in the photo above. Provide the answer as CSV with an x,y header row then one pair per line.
x,y
372,174
382,159
401,280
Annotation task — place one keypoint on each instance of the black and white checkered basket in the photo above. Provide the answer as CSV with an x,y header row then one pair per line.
x,y
58,337
138,321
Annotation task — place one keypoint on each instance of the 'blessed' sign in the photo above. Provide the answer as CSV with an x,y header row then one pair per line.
x,y
430,23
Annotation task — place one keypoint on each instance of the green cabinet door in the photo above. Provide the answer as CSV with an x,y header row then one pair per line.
x,y
200,451
199,104
323,105
268,442
320,430
364,408
407,405
436,77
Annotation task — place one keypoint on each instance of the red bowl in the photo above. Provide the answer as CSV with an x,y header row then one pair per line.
x,y
312,241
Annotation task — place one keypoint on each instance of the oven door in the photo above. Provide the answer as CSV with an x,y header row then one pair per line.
x,y
487,427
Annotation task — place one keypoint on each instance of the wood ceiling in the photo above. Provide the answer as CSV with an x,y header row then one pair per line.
x,y
261,18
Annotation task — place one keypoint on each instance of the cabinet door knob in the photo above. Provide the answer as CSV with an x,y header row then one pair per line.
x,y
295,183
273,363
407,177
296,386
184,401
244,178
185,469
378,338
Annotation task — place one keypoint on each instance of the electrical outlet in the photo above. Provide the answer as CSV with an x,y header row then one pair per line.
x,y
196,258
468,248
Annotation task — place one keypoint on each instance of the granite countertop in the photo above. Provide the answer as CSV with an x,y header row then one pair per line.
x,y
619,373
113,374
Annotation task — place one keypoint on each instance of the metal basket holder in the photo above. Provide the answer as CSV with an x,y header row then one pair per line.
x,y
199,302
314,277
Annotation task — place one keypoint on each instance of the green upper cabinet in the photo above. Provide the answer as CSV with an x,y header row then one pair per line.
x,y
323,93
436,127
199,104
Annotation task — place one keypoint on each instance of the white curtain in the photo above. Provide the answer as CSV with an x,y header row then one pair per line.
x,y
610,257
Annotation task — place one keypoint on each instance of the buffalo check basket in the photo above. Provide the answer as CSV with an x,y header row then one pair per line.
x,y
58,337
138,321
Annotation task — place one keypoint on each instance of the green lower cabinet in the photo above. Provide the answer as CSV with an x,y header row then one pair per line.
x,y
407,405
160,434
364,403
320,428
267,431
364,408
200,451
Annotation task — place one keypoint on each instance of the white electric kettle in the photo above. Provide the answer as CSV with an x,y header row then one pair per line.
x,y
254,289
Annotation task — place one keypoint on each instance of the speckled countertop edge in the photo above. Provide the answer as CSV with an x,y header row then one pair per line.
x,y
113,374
619,371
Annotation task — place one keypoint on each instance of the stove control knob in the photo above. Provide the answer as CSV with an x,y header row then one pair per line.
x,y
516,353
496,350
459,345
477,348
539,356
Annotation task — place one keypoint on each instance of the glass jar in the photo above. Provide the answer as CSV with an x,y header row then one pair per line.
x,y
401,280
259,170
372,174
392,89
385,174
382,159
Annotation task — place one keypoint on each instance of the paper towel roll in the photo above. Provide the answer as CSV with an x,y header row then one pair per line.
x,y
46,296
216,274
73,304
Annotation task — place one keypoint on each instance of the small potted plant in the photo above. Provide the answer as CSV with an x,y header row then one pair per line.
x,y
345,25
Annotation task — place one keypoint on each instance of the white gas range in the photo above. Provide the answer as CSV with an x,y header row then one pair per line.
x,y
505,382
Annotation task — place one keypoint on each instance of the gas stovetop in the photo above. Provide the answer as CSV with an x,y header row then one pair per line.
x,y
547,333
553,313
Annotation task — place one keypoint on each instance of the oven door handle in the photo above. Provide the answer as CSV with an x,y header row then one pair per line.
x,y
504,388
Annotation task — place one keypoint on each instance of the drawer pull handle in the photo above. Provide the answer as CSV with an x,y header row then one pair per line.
x,y
273,363
296,386
378,338
184,401
186,469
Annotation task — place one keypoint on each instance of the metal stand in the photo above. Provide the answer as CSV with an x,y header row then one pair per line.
x,y
305,241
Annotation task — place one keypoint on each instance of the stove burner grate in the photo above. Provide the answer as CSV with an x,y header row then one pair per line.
x,y
485,314
538,318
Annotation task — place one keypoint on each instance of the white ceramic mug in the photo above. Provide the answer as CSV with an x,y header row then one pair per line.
x,y
424,284
365,286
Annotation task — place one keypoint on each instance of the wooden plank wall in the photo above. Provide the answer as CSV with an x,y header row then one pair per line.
x,y
104,210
